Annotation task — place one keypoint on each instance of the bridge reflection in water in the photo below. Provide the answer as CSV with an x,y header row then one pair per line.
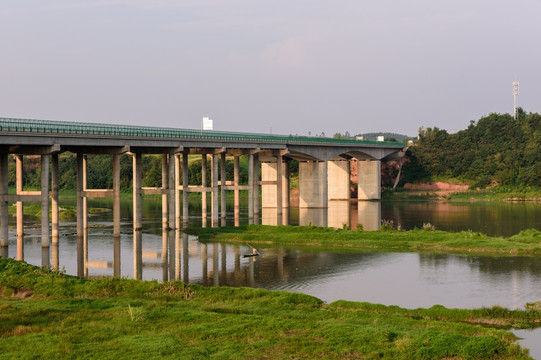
x,y
337,214
182,257
152,253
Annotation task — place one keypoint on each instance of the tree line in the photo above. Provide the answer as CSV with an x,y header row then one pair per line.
x,y
497,149
100,173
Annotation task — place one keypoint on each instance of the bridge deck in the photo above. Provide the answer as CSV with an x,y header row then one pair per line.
x,y
31,127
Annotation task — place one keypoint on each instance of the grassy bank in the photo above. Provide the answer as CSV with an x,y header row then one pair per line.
x,y
54,316
527,242
495,193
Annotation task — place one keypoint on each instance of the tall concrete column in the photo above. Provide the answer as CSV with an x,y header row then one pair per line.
x,y
274,194
116,215
178,204
45,236
54,210
185,193
236,183
256,189
80,223
137,217
251,187
338,180
369,183
171,192
313,184
20,206
85,217
279,192
204,184
165,177
116,195
214,195
223,209
4,206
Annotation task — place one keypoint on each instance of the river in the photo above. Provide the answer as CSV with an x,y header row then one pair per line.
x,y
407,279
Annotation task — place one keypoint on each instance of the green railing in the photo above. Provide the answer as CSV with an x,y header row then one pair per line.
x,y
30,126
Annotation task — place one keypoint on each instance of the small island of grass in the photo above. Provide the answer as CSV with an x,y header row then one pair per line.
x,y
527,242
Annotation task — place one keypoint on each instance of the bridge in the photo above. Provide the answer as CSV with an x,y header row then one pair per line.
x,y
324,173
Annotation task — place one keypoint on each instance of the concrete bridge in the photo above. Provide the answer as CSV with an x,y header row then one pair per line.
x,y
323,173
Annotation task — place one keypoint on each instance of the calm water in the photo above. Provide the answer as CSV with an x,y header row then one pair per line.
x,y
409,280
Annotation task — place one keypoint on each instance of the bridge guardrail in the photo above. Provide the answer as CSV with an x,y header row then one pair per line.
x,y
32,126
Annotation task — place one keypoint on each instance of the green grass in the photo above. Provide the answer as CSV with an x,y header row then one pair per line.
x,y
495,193
64,317
527,242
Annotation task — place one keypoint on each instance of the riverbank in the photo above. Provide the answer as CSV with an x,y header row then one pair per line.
x,y
449,191
51,315
527,242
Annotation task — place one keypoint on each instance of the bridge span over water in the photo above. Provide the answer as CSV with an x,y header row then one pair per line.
x,y
324,172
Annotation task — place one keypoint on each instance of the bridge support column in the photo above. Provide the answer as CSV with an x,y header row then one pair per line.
x,y
338,180
251,188
116,215
185,193
274,191
338,192
214,186
54,210
204,193
369,183
178,203
171,192
313,184
45,238
223,204
80,222
137,217
85,216
256,189
116,196
236,183
20,206
3,205
165,177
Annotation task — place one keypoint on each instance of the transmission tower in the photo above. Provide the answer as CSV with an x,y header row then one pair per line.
x,y
515,93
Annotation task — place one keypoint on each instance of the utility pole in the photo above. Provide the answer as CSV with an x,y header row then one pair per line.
x,y
515,93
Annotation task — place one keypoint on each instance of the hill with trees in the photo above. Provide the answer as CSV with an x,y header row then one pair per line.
x,y
496,150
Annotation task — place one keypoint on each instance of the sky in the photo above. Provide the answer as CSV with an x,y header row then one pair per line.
x,y
302,67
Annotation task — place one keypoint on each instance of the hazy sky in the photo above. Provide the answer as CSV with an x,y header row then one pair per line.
x,y
294,66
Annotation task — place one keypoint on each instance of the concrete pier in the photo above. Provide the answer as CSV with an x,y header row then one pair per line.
x,y
185,193
313,184
369,175
236,195
54,211
137,217
223,208
45,237
3,205
20,206
214,191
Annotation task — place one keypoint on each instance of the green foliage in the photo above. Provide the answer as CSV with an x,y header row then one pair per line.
x,y
527,242
495,150
120,318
